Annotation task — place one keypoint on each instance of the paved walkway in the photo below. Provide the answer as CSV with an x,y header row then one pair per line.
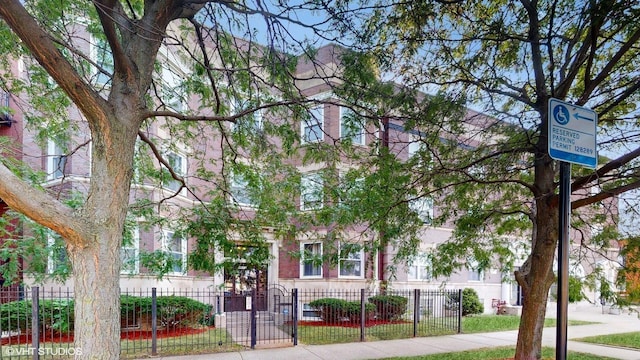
x,y
607,324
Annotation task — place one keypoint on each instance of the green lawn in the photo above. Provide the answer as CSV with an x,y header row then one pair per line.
x,y
320,335
491,323
497,353
211,341
630,340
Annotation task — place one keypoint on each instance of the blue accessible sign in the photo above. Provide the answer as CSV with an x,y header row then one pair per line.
x,y
572,133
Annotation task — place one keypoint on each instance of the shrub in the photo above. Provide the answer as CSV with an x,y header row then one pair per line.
x,y
56,315
53,315
15,315
175,311
471,302
389,307
336,310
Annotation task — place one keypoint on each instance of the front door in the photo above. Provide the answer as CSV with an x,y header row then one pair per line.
x,y
241,279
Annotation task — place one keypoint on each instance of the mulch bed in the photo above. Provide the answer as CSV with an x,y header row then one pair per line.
x,y
52,337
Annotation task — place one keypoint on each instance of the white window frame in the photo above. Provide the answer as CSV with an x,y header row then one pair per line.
x,y
358,137
311,188
423,206
181,171
257,123
351,257
303,260
54,262
134,247
239,191
347,191
420,268
415,145
172,93
314,123
309,312
475,275
167,237
56,161
101,46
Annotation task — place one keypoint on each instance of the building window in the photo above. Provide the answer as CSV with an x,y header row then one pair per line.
x,y
178,164
351,261
103,58
129,252
240,193
423,207
56,161
311,260
420,268
313,125
250,122
351,126
176,247
311,192
58,262
309,312
5,111
475,272
172,93
350,188
415,145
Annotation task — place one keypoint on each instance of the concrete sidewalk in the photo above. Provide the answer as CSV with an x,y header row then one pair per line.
x,y
607,324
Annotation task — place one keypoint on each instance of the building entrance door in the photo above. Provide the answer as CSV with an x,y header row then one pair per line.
x,y
241,279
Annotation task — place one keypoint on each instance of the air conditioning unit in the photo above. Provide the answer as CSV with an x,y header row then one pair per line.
x,y
5,119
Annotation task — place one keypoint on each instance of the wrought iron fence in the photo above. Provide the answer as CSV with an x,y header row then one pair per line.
x,y
35,323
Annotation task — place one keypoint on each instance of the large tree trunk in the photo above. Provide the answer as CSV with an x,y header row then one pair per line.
x,y
536,278
96,263
97,297
536,275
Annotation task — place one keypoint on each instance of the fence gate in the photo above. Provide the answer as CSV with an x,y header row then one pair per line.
x,y
269,319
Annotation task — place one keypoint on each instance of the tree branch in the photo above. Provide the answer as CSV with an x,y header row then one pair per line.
x,y
39,206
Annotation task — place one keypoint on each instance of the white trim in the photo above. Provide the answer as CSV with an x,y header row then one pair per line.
x,y
350,258
302,260
182,171
316,113
360,127
237,183
55,170
135,246
311,184
168,235
52,248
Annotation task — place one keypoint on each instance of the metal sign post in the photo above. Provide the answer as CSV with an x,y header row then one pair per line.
x,y
572,139
563,261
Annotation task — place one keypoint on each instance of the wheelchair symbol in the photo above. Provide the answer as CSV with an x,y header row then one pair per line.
x,y
561,114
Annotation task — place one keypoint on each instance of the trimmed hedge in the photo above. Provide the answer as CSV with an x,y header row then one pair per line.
x,y
53,315
58,315
389,307
337,310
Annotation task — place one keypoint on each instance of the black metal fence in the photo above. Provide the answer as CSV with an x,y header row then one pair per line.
x,y
35,323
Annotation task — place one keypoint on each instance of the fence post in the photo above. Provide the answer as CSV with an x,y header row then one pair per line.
x,y
294,310
35,323
363,314
154,322
416,311
460,311
253,322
